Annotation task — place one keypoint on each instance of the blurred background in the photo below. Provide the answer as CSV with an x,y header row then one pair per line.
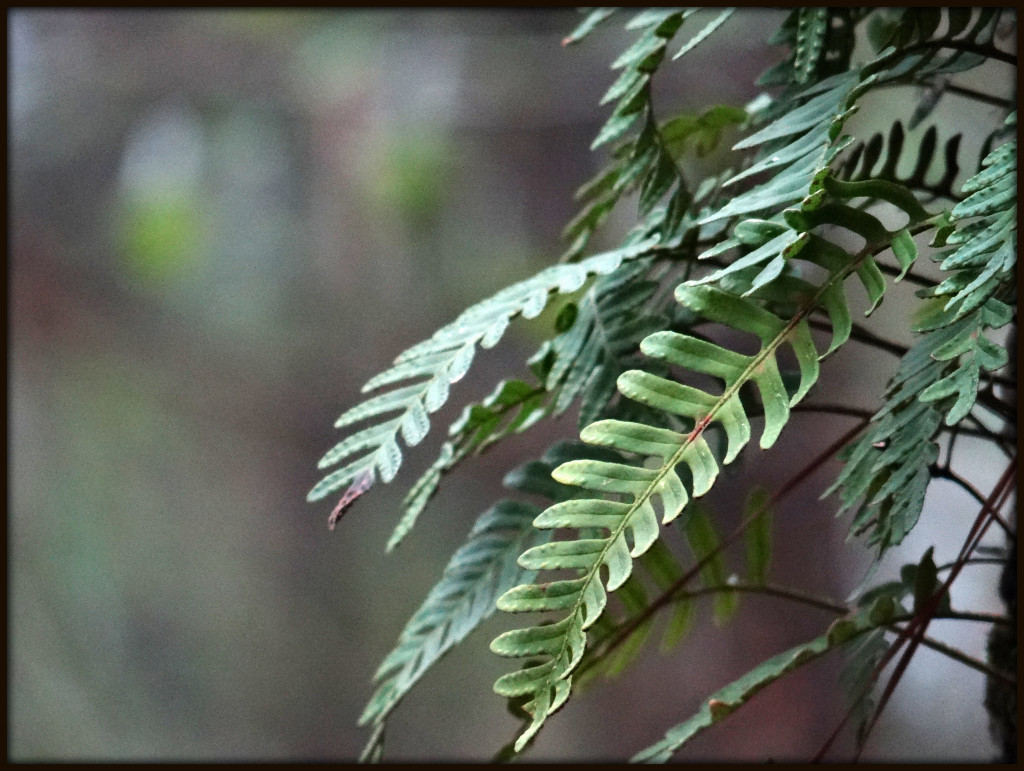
x,y
221,225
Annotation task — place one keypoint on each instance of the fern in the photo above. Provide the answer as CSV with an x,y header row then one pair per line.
x,y
890,466
480,571
602,331
766,251
549,683
434,365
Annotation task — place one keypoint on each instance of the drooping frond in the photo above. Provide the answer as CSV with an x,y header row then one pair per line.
x,y
985,250
513,406
725,701
797,148
666,394
888,468
478,573
632,527
601,333
888,465
426,371
611,320
643,159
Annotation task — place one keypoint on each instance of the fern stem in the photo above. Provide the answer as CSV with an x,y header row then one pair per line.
x,y
826,604
914,631
835,409
866,414
966,46
978,96
969,661
965,485
771,590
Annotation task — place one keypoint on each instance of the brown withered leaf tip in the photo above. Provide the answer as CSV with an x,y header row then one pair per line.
x,y
362,483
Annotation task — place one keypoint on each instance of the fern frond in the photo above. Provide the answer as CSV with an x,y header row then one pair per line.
x,y
661,450
730,698
644,161
889,466
798,147
434,365
985,253
706,32
915,54
613,318
512,407
604,330
618,637
480,570
820,40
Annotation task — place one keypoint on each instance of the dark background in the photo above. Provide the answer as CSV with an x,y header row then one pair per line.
x,y
221,225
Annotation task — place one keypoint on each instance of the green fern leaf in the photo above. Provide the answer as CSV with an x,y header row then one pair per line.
x,y
730,698
435,364
481,570
812,24
985,253
705,32
633,527
887,469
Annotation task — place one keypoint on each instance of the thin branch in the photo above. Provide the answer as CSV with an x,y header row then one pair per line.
x,y
966,46
965,485
915,630
770,590
918,624
970,661
834,409
975,561
826,604
1005,410
978,96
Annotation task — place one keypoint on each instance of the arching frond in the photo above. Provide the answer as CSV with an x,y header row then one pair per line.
x,y
723,703
631,526
436,363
